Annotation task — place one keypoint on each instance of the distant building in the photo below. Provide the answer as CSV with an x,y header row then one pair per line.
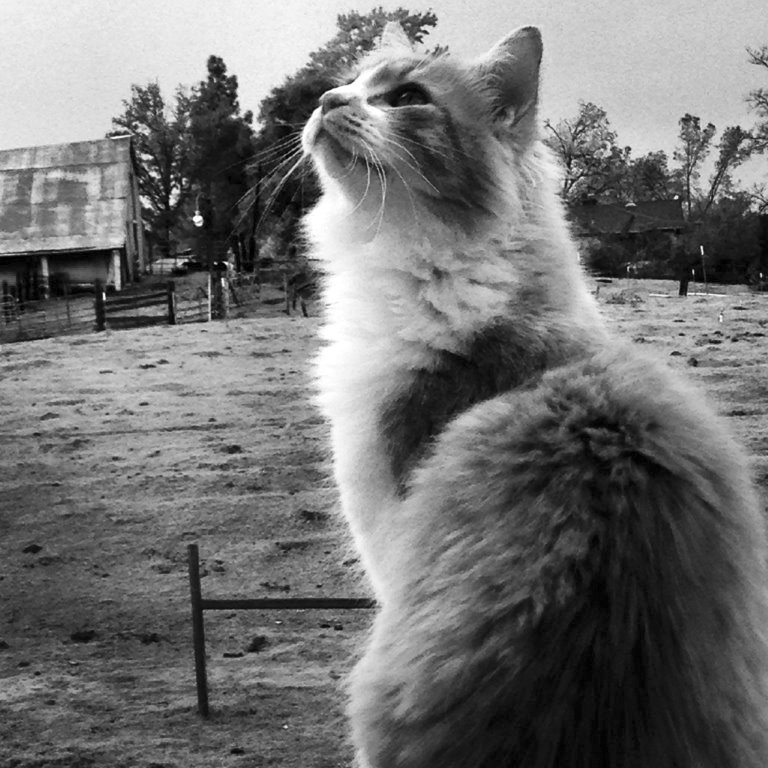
x,y
70,213
593,219
641,239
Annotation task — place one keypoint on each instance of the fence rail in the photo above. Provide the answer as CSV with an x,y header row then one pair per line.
x,y
225,294
200,604
39,319
124,311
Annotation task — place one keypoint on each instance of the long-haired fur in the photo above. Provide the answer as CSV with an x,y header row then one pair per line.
x,y
566,548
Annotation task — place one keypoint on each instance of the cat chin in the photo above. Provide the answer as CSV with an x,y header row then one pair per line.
x,y
333,158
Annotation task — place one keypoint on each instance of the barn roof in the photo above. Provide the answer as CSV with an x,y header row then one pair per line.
x,y
64,197
617,219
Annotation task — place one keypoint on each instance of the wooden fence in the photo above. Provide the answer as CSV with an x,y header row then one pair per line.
x,y
23,319
142,309
70,313
226,294
199,604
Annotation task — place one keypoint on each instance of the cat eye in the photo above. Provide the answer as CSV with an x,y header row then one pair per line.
x,y
409,95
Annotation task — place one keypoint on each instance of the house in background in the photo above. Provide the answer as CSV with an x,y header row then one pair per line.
x,y
70,213
642,239
593,219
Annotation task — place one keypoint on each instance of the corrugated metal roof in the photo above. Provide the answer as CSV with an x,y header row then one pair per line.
x,y
65,197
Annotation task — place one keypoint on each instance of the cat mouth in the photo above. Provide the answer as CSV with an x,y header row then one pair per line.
x,y
335,152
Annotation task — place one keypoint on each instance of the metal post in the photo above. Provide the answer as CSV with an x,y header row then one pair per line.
x,y
101,314
210,296
287,294
198,629
171,288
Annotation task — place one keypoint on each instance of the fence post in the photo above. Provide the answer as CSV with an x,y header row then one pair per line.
x,y
224,294
6,302
65,283
20,290
101,314
171,303
198,629
287,294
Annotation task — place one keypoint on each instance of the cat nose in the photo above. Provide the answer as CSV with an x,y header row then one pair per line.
x,y
333,99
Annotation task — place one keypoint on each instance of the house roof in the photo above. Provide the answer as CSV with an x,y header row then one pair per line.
x,y
616,219
64,197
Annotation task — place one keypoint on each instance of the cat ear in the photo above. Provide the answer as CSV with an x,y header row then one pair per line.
x,y
511,71
393,37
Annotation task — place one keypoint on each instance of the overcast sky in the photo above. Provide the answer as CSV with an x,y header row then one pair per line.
x,y
66,65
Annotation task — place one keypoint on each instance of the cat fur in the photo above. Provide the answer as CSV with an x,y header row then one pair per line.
x,y
564,542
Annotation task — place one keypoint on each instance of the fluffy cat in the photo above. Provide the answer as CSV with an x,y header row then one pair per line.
x,y
565,545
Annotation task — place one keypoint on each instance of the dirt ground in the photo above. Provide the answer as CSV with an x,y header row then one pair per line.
x,y
119,449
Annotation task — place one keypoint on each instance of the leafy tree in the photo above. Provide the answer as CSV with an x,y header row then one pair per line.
x,y
357,34
594,165
283,113
734,148
220,148
759,197
161,140
289,105
730,233
695,143
758,100
649,178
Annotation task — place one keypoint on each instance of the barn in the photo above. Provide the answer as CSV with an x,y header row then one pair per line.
x,y
70,215
644,239
593,219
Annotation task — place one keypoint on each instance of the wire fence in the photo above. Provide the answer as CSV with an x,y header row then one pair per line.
x,y
195,298
24,321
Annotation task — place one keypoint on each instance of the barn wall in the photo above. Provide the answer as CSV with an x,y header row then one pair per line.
x,y
78,203
79,268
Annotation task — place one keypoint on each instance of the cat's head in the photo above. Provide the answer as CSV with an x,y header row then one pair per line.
x,y
427,131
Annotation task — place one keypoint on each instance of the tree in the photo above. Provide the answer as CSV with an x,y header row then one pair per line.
x,y
758,100
161,140
649,178
357,34
593,163
734,148
731,234
283,113
694,147
220,147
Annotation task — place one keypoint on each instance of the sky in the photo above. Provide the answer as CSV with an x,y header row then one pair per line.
x,y
67,65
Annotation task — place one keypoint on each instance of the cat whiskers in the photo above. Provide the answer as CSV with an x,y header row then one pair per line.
x,y
413,166
278,149
435,151
367,182
372,159
407,187
295,159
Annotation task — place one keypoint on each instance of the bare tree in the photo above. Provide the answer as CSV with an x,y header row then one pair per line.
x,y
734,148
592,161
758,100
695,143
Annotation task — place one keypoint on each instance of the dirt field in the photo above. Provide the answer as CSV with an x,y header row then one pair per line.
x,y
118,450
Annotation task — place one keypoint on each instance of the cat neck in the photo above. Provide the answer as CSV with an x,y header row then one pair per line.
x,y
425,318
427,282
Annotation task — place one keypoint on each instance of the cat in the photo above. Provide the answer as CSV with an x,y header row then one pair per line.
x,y
564,544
